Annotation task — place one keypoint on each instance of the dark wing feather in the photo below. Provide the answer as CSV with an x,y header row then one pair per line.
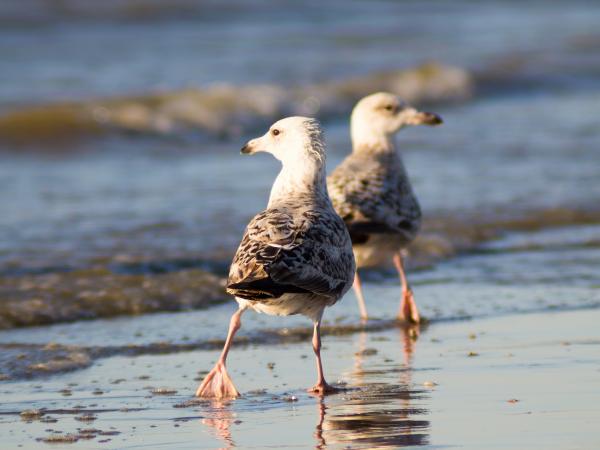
x,y
360,230
262,288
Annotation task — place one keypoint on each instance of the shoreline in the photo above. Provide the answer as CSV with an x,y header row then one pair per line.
x,y
31,362
508,276
115,289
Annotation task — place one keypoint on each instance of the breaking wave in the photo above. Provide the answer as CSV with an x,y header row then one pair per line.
x,y
224,110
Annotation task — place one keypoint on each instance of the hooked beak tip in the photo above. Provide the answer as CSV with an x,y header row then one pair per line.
x,y
432,119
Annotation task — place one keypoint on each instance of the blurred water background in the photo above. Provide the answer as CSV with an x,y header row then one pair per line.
x,y
123,191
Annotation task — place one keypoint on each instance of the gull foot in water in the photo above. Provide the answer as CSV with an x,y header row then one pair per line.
x,y
217,384
408,308
323,388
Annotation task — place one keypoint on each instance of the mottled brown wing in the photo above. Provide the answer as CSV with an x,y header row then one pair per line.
x,y
374,197
281,253
323,263
265,236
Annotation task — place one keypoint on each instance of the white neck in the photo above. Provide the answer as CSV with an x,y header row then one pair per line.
x,y
366,138
304,177
373,143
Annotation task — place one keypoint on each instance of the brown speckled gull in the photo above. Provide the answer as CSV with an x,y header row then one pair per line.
x,y
371,191
296,256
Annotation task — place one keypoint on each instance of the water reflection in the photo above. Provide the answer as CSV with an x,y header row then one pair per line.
x,y
219,418
378,415
381,408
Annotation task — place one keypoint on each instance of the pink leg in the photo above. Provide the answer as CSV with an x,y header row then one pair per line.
x,y
218,384
359,296
408,308
321,387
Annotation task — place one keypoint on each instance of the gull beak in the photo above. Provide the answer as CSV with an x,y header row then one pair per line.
x,y
427,118
250,147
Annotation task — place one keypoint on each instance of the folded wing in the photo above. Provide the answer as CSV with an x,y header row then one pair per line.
x,y
374,198
285,252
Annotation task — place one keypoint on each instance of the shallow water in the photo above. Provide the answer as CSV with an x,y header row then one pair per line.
x,y
184,204
527,272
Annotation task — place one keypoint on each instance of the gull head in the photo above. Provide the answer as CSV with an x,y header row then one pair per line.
x,y
385,114
291,140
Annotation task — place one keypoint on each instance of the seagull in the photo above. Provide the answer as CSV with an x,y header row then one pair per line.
x,y
371,191
296,256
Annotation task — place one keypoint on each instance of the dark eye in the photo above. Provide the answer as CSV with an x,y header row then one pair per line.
x,y
275,132
389,107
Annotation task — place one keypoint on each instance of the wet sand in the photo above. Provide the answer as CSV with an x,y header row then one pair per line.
x,y
514,381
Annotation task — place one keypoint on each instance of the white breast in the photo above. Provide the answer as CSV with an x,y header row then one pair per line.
x,y
378,250
308,305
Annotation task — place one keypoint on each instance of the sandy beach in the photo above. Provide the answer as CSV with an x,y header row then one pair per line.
x,y
503,382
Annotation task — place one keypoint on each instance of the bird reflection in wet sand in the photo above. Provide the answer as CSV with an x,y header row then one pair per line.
x,y
388,413
219,419
378,415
